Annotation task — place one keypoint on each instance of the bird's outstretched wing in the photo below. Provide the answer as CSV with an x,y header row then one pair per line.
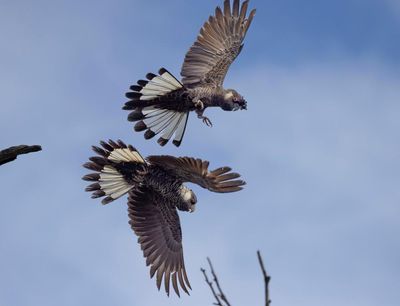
x,y
218,44
193,170
156,222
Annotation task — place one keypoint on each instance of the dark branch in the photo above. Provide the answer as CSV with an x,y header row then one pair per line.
x,y
266,279
11,153
220,296
211,287
221,293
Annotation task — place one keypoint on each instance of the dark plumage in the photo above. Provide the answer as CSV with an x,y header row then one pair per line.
x,y
161,104
156,191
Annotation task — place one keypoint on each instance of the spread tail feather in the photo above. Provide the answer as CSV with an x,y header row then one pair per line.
x,y
115,170
148,112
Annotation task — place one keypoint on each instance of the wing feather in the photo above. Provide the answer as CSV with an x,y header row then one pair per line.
x,y
154,218
189,169
218,44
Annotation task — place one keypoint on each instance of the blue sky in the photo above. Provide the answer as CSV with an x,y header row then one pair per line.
x,y
319,148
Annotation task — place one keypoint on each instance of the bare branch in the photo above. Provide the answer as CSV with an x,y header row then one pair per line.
x,y
212,288
267,278
221,293
11,153
220,296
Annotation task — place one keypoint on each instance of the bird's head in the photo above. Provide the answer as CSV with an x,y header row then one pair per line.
x,y
189,198
233,101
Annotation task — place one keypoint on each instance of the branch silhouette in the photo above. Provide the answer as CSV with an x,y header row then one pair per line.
x,y
12,153
267,278
220,297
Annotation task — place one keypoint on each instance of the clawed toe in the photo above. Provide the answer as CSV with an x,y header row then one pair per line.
x,y
207,121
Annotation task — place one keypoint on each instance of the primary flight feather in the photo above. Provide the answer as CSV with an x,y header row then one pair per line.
x,y
160,105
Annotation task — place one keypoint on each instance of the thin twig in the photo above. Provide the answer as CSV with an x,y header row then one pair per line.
x,y
220,296
218,303
221,293
11,153
267,278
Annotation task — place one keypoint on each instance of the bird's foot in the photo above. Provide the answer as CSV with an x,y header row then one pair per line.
x,y
206,121
200,111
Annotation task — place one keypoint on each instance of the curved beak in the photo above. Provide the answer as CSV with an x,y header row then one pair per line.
x,y
244,105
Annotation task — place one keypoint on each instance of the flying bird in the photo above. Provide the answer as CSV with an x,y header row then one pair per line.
x,y
156,191
161,104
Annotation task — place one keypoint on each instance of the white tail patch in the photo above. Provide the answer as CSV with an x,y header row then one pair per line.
x,y
180,128
165,75
158,120
113,184
125,155
166,122
154,116
116,169
159,85
171,128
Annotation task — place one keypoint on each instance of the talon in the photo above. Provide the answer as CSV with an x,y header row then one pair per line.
x,y
207,121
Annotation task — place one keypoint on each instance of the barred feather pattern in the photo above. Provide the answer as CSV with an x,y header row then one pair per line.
x,y
156,192
155,221
219,43
158,105
116,167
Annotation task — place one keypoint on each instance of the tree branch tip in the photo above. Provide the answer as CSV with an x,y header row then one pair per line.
x,y
12,153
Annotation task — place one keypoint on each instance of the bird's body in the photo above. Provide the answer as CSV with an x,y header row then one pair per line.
x,y
213,97
181,100
169,187
161,104
156,190
152,176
